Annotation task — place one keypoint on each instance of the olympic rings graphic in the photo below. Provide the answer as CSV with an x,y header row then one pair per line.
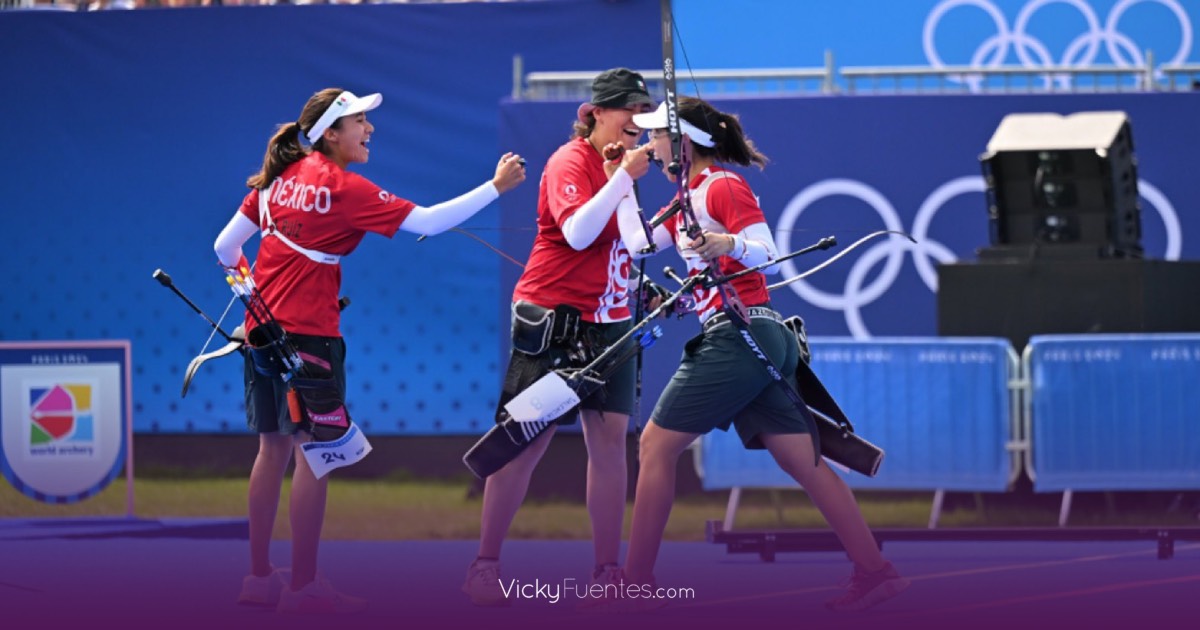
x,y
1034,53
926,251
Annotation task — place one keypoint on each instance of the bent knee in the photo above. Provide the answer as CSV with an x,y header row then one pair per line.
x,y
658,444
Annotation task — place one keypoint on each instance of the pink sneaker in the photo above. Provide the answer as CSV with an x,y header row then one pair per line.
x,y
869,588
482,585
263,591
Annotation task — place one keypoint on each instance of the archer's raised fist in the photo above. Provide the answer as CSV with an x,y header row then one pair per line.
x,y
637,161
510,172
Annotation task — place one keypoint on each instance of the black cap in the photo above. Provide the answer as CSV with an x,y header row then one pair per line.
x,y
616,88
619,87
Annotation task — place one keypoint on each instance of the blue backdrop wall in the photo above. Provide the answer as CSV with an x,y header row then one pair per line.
x,y
131,133
1029,33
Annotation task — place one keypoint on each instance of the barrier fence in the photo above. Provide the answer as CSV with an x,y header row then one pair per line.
x,y
1079,412
830,79
1112,412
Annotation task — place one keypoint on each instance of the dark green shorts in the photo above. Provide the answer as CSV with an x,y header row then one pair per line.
x,y
266,396
720,382
616,396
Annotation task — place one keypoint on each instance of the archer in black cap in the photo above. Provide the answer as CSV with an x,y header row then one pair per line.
x,y
578,271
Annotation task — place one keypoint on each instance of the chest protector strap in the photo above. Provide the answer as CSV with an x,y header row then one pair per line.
x,y
268,229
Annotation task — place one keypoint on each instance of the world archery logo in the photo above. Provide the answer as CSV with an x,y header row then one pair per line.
x,y
61,420
64,417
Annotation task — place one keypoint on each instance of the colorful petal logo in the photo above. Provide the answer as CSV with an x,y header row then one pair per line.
x,y
61,413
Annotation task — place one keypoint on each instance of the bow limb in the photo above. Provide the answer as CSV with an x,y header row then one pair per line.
x,y
681,160
852,247
671,98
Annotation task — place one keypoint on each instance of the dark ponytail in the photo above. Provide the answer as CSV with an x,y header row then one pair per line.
x,y
284,148
731,142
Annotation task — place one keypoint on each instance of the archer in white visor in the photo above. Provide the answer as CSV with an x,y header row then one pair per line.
x,y
311,211
720,382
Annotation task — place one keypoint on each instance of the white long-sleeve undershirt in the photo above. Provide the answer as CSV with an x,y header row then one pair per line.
x,y
229,242
437,219
421,220
755,246
581,228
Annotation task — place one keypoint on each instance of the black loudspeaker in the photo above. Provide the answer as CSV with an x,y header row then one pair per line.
x,y
1062,187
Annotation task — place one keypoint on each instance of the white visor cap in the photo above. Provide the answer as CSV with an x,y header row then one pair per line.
x,y
346,104
657,119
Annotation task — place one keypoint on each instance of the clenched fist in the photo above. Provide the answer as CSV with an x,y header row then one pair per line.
x,y
510,172
636,161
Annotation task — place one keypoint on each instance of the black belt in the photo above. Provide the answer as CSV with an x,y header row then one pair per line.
x,y
754,312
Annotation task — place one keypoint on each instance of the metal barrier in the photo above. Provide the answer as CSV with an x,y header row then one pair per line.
x,y
1183,77
1113,412
768,544
943,409
1101,412
576,86
969,79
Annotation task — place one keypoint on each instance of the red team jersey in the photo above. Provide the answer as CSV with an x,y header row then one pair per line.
x,y
323,207
594,280
723,204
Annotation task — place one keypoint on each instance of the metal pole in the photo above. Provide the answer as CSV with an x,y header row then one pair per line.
x,y
828,86
1150,82
518,69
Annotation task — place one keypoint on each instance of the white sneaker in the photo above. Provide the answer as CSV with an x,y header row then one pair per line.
x,y
319,598
483,584
607,581
263,591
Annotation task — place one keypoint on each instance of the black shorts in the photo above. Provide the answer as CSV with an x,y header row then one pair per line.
x,y
266,396
617,395
720,382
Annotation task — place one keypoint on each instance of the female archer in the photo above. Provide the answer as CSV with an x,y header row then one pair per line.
x,y
719,381
312,210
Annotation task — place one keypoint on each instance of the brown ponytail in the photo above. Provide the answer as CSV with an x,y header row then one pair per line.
x,y
581,129
284,148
